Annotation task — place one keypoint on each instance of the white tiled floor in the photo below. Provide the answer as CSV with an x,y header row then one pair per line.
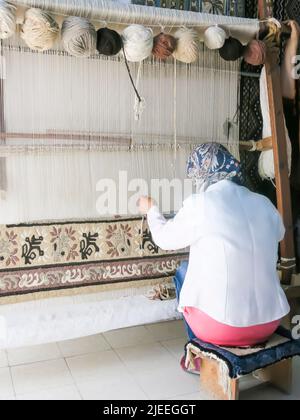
x,y
134,363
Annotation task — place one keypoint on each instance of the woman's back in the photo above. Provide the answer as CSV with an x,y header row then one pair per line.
x,y
232,273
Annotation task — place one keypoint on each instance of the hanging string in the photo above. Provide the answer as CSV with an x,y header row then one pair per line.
x,y
139,101
175,117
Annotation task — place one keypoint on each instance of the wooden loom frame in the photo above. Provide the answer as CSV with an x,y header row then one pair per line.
x,y
277,143
210,370
283,189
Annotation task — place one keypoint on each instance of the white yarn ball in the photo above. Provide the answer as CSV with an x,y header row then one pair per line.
x,y
79,36
266,166
40,30
7,19
187,49
138,42
214,37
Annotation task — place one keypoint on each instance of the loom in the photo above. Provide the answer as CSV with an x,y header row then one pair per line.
x,y
66,123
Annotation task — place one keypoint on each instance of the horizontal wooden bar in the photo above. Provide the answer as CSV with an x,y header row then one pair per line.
x,y
260,145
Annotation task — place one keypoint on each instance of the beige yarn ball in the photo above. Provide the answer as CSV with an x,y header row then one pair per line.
x,y
40,30
79,37
7,20
187,49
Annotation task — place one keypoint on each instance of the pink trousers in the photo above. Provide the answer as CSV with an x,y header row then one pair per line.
x,y
207,329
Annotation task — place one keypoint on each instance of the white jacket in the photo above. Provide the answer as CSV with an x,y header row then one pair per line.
x,y
233,236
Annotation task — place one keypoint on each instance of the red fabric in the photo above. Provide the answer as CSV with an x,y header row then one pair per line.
x,y
207,329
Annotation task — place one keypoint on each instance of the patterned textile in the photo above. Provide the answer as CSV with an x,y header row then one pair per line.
x,y
52,256
250,114
250,9
241,362
211,163
293,10
221,7
279,9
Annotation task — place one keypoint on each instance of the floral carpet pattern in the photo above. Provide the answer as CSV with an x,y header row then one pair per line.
x,y
46,256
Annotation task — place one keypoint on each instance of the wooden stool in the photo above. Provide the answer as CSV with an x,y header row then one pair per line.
x,y
222,368
213,382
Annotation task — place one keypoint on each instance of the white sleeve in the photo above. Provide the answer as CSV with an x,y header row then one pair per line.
x,y
175,234
281,228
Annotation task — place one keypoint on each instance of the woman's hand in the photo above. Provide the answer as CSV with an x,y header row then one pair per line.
x,y
295,28
145,204
288,84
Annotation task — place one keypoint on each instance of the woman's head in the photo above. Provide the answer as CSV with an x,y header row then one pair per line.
x,y
210,163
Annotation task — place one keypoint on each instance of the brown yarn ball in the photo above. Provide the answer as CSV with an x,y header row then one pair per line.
x,y
255,53
163,46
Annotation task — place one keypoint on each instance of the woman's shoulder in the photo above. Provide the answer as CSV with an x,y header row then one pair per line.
x,y
193,201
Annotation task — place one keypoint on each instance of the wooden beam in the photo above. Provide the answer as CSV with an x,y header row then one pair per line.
x,y
284,202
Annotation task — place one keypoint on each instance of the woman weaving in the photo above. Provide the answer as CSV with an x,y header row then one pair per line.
x,y
229,292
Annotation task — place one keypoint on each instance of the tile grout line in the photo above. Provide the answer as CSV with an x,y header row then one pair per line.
x,y
85,353
45,388
173,354
74,381
129,373
133,377
12,382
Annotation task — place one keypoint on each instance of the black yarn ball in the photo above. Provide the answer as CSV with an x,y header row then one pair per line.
x,y
109,42
232,50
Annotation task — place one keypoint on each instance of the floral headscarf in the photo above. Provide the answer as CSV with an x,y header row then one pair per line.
x,y
211,163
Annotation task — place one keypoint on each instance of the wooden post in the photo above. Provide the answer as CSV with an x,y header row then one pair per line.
x,y
284,202
264,9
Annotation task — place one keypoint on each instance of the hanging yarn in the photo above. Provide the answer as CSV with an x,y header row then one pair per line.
x,y
214,37
187,49
255,53
272,35
138,42
232,50
266,166
109,42
7,19
163,46
79,36
40,30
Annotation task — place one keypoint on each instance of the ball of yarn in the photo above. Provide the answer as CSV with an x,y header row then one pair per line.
x,y
163,46
187,49
138,42
255,53
214,37
79,36
232,49
40,30
109,42
7,19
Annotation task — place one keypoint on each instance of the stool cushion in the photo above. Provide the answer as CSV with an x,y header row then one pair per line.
x,y
241,362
